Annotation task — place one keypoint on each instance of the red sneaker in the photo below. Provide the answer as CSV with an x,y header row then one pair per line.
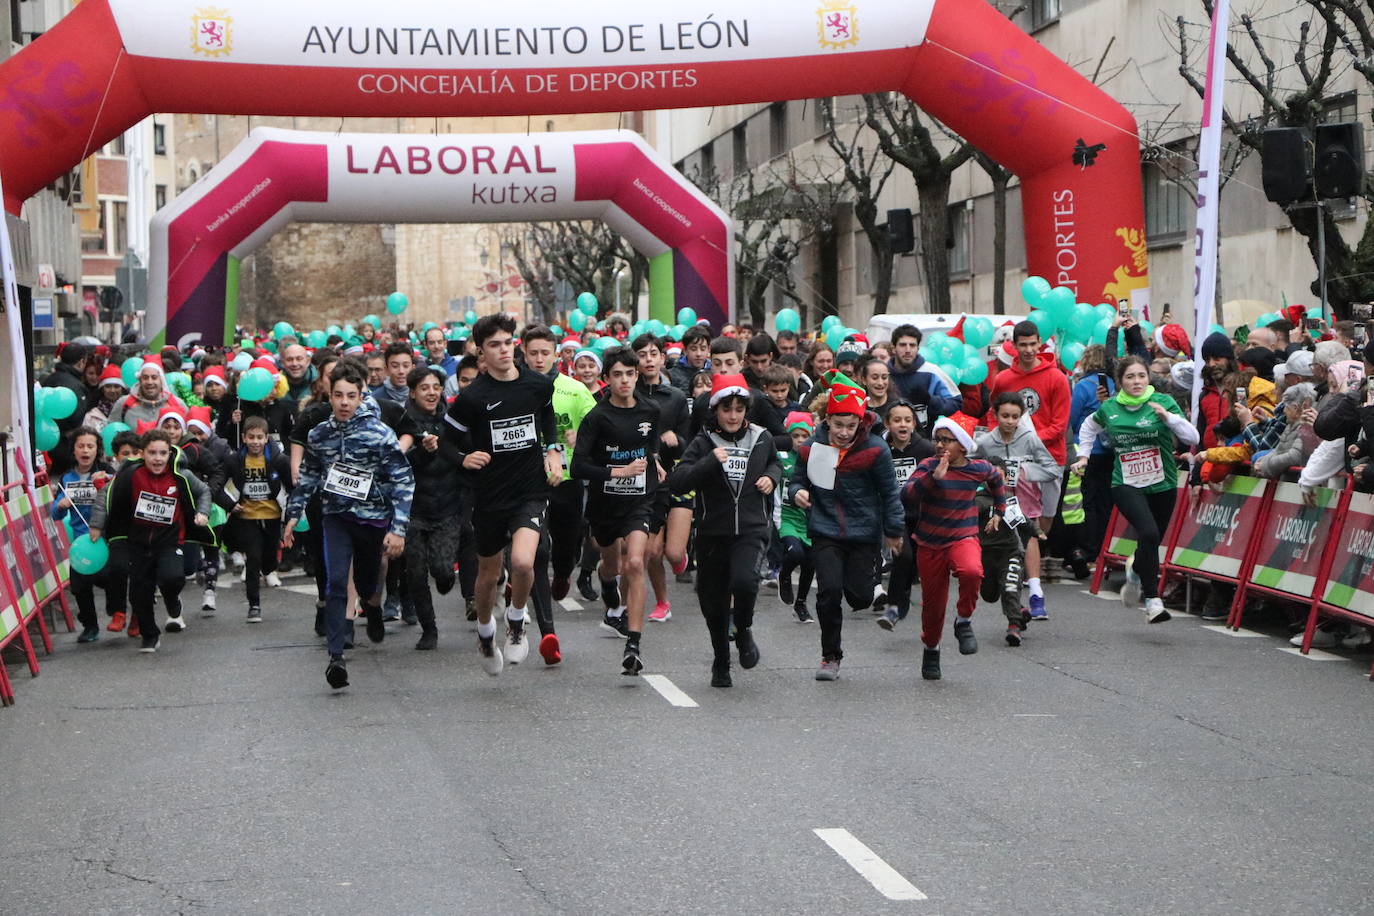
x,y
548,647
133,627
663,611
116,622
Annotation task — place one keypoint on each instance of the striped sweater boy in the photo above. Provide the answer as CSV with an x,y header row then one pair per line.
x,y
946,509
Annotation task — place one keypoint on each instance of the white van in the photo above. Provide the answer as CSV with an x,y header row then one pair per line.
x,y
880,327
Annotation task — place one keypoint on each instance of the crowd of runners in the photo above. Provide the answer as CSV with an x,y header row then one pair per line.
x,y
514,464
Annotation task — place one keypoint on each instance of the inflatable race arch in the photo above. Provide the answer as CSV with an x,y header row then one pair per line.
x,y
276,176
110,63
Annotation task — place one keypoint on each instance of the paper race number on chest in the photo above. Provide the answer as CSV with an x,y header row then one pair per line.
x,y
348,481
1142,467
513,433
155,509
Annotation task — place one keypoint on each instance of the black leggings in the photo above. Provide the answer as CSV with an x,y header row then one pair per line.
x,y
728,584
257,539
797,555
1149,515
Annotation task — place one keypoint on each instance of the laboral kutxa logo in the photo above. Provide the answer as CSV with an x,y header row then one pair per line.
x,y
838,24
212,32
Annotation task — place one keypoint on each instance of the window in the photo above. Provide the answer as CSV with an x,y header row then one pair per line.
x,y
708,162
1169,210
740,148
115,147
959,224
160,139
777,129
159,196
92,244
120,242
1043,13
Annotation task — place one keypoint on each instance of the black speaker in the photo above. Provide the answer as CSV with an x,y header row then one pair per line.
x,y
901,236
1338,168
1286,165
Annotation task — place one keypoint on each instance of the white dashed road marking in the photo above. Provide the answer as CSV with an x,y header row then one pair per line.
x,y
1313,655
670,691
866,862
1240,634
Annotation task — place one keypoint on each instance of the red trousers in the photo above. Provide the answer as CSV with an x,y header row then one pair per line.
x,y
963,559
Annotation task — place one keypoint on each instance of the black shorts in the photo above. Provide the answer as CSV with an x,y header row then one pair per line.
x,y
494,526
606,529
682,500
658,510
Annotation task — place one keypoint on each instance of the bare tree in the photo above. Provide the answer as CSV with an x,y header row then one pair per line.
x,y
905,136
586,255
778,211
538,277
1335,37
865,174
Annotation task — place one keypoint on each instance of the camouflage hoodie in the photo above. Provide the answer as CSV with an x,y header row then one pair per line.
x,y
364,445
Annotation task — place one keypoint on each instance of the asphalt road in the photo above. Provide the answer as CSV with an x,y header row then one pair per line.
x,y
1105,766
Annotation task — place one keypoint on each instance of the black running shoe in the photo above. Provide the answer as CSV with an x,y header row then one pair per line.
x,y
930,664
585,587
429,639
89,634
376,629
803,614
748,649
615,626
720,674
471,608
630,664
336,674
785,593
963,631
1013,635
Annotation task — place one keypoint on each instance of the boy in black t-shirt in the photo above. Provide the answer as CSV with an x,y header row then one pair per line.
x,y
508,435
617,452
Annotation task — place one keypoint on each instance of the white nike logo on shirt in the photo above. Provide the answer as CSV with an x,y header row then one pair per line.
x,y
493,406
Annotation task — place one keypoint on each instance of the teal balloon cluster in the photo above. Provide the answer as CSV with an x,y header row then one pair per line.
x,y
1072,325
963,362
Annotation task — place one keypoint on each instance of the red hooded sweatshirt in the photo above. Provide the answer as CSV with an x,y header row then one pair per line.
x,y
1045,391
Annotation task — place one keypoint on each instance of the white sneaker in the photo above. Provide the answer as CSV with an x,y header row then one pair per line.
x,y
237,559
1361,637
517,646
243,576
492,663
1321,639
175,624
1155,611
1130,591
207,603
273,580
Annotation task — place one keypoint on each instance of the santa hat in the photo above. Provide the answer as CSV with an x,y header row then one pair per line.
x,y
960,425
170,412
570,342
1296,314
860,338
590,354
143,427
674,350
845,397
199,417
1172,340
264,362
1003,333
957,332
799,419
154,362
112,376
215,376
356,350
726,386
1006,354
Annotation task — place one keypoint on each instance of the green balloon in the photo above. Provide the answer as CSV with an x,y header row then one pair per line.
x,y
283,329
587,304
376,325
1099,335
974,373
1105,310
577,321
1082,320
687,316
556,331
317,339
826,323
108,433
246,343
1044,321
978,332
128,371
1034,290
58,404
87,556
255,384
46,434
1070,354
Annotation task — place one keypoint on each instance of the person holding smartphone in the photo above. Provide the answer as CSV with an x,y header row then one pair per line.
x,y
1141,424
